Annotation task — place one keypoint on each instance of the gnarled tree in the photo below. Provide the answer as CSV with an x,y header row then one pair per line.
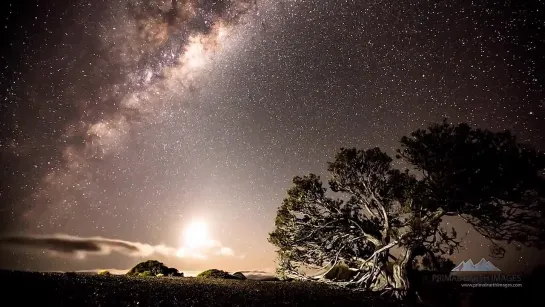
x,y
375,211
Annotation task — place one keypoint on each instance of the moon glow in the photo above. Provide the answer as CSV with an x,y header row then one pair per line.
x,y
196,235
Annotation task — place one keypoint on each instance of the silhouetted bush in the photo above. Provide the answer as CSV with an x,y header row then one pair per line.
x,y
239,275
145,274
104,273
215,273
154,268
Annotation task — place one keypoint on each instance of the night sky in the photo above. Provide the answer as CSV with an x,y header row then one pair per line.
x,y
130,120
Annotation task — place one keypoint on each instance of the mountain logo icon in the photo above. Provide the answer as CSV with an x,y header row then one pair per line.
x,y
482,266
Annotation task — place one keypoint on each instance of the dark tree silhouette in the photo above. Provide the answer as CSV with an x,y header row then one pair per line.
x,y
489,179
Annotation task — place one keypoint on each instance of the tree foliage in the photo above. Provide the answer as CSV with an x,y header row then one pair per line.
x,y
489,179
372,208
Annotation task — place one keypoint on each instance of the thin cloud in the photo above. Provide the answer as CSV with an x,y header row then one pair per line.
x,y
81,247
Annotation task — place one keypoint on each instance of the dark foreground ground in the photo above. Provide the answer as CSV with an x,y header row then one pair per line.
x,y
58,289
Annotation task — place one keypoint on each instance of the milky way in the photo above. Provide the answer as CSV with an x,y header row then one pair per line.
x,y
160,48
126,119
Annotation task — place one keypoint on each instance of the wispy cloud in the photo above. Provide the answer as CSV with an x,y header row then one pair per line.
x,y
81,247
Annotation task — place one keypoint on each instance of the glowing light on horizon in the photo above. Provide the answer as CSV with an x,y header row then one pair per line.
x,y
196,235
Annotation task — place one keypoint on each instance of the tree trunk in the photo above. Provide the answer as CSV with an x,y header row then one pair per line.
x,y
396,281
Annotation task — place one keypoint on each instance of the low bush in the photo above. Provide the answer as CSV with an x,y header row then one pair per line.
x,y
215,273
154,268
104,273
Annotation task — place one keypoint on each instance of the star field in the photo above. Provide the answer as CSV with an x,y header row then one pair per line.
x,y
125,119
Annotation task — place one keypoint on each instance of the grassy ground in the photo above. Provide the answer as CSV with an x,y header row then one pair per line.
x,y
58,289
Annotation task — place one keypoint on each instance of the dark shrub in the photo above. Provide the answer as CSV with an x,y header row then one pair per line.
x,y
145,274
239,275
215,273
154,268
